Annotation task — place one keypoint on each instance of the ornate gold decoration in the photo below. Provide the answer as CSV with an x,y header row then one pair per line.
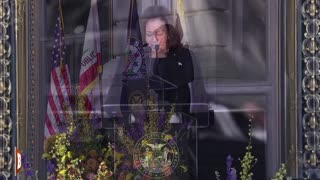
x,y
5,90
312,9
313,122
313,160
21,6
310,87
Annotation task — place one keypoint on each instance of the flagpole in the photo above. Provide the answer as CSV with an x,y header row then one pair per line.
x,y
100,68
100,87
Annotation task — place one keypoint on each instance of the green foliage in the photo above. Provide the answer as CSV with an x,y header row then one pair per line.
x,y
281,174
68,167
248,160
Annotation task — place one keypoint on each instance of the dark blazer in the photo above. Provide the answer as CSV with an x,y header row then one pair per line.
x,y
176,68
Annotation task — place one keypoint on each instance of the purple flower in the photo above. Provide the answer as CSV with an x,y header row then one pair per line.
x,y
23,158
29,173
136,130
26,165
229,162
63,127
96,123
229,169
75,135
119,149
52,177
133,133
232,174
51,167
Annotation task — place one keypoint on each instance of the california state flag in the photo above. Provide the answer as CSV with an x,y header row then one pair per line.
x,y
90,61
180,21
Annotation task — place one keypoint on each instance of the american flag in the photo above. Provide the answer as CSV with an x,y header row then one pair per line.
x,y
59,97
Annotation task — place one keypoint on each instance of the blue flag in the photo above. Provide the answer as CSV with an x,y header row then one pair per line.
x,y
134,78
135,66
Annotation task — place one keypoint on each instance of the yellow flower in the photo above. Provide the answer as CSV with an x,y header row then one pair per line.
x,y
118,158
82,157
63,172
63,159
168,137
129,176
69,154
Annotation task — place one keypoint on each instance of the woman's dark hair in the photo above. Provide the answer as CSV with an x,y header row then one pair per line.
x,y
174,37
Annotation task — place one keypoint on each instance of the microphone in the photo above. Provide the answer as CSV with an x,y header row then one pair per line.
x,y
148,48
157,47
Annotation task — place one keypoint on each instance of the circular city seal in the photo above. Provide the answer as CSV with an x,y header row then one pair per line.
x,y
156,155
136,56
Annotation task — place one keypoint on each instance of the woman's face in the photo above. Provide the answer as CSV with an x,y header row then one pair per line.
x,y
156,34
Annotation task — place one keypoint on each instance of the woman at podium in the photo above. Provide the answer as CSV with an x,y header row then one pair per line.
x,y
172,61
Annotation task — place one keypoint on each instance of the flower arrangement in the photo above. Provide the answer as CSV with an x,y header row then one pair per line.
x,y
69,158
79,152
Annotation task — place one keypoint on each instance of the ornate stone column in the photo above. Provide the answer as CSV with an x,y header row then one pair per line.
x,y
309,57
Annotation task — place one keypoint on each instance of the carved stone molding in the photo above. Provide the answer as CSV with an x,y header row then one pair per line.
x,y
6,152
310,82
